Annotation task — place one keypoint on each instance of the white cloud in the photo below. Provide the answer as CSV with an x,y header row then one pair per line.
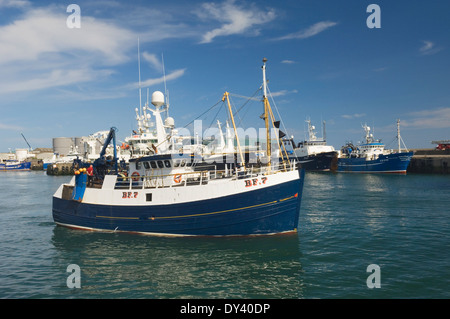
x,y
381,69
428,48
353,116
154,61
309,32
234,19
283,92
51,79
288,62
43,31
14,3
428,45
10,127
154,81
38,51
428,119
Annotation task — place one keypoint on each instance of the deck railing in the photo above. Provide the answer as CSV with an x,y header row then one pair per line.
x,y
196,177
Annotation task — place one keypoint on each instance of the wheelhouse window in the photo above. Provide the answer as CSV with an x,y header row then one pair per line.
x,y
153,164
146,165
160,164
167,163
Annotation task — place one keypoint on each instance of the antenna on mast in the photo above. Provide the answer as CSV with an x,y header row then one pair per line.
x,y
165,87
140,91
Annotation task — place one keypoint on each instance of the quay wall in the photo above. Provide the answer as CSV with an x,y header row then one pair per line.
x,y
429,161
60,169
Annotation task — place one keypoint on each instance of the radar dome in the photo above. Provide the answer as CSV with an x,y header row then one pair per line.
x,y
170,122
158,98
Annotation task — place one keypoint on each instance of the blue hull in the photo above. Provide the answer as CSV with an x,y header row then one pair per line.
x,y
24,166
265,211
318,162
392,163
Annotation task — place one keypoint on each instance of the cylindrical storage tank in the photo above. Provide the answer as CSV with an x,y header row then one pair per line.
x,y
79,144
62,145
21,154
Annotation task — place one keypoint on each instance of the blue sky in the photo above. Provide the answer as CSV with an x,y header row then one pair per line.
x,y
324,63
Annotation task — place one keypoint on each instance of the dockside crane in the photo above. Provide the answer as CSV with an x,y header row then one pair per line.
x,y
29,146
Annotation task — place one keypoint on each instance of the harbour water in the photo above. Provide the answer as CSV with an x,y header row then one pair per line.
x,y
347,222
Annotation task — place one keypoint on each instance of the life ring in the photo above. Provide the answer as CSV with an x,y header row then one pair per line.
x,y
135,176
177,178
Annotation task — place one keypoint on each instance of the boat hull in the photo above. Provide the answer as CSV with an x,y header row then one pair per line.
x,y
23,166
262,211
391,163
318,162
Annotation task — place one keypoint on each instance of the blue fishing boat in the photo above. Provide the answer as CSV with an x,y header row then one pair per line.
x,y
164,194
17,161
372,157
15,165
174,201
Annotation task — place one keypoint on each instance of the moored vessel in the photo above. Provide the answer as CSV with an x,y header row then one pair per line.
x,y
313,154
372,157
18,161
15,165
163,194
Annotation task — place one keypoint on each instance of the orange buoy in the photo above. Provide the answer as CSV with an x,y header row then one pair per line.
x,y
135,176
177,178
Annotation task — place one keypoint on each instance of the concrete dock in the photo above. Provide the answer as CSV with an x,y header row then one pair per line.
x,y
430,161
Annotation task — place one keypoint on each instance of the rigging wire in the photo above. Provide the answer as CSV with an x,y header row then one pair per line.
x,y
276,108
246,102
235,113
215,117
212,107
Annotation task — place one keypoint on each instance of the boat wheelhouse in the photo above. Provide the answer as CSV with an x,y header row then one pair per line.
x,y
313,154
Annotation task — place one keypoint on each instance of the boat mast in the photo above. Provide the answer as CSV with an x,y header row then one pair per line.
x,y
266,114
399,138
226,96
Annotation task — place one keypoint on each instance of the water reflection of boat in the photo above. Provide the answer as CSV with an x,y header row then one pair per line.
x,y
224,264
